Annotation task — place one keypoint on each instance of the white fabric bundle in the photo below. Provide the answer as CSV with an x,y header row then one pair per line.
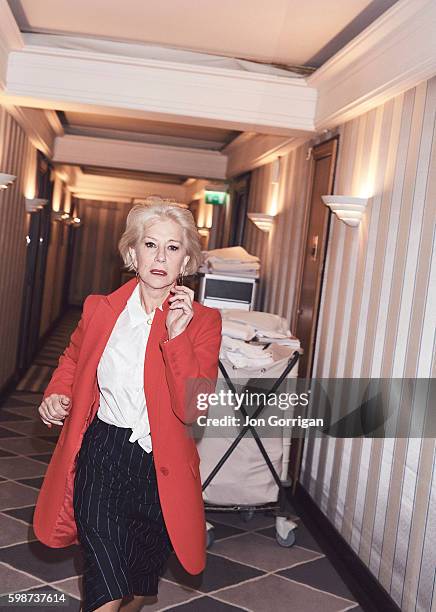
x,y
234,261
235,268
242,331
243,355
236,254
266,324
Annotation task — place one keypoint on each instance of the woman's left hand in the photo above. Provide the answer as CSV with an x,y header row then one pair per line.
x,y
180,311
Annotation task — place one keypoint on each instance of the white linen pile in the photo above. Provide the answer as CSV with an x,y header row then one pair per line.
x,y
235,329
231,261
243,355
267,327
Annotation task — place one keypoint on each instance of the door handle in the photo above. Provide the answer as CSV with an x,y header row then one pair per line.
x,y
314,248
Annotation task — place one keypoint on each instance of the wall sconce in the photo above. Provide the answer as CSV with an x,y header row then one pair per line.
x,y
62,217
6,180
34,204
203,231
350,210
76,222
262,221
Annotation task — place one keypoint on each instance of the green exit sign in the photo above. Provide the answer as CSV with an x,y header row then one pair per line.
x,y
215,197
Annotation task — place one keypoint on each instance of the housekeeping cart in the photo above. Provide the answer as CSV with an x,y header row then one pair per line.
x,y
250,474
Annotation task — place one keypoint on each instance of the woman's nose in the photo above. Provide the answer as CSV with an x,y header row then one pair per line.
x,y
160,255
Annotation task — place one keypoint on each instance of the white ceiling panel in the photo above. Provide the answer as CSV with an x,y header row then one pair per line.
x,y
289,32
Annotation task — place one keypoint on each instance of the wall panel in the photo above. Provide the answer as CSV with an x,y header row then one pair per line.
x,y
377,319
18,157
97,263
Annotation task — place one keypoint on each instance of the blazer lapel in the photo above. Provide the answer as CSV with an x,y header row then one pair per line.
x,y
154,369
99,330
101,325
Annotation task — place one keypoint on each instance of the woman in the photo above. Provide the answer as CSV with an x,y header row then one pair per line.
x,y
123,391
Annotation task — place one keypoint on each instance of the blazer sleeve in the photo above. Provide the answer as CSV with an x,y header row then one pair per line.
x,y
191,366
62,378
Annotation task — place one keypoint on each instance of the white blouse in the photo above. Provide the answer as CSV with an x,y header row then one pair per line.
x,y
120,373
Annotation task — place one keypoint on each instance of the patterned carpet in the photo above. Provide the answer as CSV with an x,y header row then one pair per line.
x,y
39,373
246,568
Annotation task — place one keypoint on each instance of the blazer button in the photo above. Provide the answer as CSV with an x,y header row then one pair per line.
x,y
165,471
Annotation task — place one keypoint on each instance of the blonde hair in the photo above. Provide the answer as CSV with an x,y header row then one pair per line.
x,y
154,209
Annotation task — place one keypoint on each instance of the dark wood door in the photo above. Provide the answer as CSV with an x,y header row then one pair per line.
x,y
321,183
322,177
236,216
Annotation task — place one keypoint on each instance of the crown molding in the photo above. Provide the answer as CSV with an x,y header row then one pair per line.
x,y
258,151
139,156
393,54
91,186
54,121
160,90
10,40
37,126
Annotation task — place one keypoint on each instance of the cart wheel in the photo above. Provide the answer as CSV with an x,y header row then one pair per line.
x,y
247,515
288,541
210,537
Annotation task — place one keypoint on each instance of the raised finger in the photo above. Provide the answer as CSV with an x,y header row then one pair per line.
x,y
186,297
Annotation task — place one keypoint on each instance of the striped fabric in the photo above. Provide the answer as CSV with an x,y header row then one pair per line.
x,y
118,515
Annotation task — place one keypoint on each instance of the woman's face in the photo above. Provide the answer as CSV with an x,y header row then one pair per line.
x,y
161,256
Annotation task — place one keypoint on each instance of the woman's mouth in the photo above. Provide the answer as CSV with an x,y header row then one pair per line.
x,y
157,272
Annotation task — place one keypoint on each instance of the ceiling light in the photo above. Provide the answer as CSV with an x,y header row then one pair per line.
x,y
63,217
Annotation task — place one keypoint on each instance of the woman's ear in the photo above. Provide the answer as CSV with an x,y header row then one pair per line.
x,y
185,261
133,258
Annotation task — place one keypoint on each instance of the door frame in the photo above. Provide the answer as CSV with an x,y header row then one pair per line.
x,y
297,445
335,141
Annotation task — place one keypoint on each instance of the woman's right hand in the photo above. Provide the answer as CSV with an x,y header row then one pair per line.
x,y
54,408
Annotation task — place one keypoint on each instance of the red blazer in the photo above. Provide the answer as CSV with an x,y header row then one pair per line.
x,y
168,367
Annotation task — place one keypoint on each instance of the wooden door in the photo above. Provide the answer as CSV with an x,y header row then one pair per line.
x,y
321,183
236,212
322,177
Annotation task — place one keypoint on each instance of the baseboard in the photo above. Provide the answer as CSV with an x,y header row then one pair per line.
x,y
361,582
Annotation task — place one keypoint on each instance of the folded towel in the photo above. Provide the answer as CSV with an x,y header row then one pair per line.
x,y
241,361
235,254
238,346
233,266
266,324
238,330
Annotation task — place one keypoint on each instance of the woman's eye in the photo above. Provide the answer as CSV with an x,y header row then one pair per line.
x,y
150,245
173,247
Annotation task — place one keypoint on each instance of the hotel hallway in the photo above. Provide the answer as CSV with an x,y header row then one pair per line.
x,y
246,569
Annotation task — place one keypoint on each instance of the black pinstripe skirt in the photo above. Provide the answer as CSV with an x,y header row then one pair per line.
x,y
118,515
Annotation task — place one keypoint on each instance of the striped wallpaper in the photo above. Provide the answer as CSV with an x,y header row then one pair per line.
x,y
54,275
18,157
97,264
377,319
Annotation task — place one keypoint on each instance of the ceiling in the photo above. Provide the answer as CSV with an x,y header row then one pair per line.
x,y
142,130
153,177
286,32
